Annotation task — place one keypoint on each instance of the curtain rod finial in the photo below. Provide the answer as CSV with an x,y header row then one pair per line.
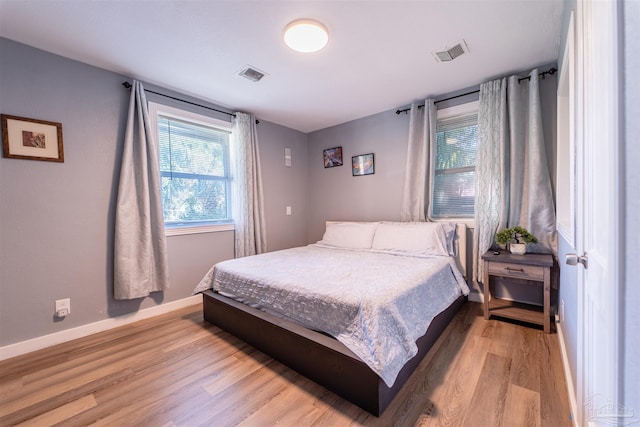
x,y
127,85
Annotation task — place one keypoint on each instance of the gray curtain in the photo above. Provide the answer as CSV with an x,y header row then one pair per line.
x,y
140,249
415,197
247,194
513,185
531,202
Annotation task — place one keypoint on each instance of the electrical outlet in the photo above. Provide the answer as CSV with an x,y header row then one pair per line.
x,y
561,311
63,307
288,210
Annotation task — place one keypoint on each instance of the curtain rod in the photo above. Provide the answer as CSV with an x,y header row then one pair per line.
x,y
550,71
128,86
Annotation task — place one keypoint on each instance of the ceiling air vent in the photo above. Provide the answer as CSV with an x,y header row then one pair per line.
x,y
251,73
450,53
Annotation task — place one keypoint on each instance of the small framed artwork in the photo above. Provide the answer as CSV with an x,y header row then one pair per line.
x,y
332,157
31,139
364,164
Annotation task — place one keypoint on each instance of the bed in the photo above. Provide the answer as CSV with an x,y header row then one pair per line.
x,y
355,312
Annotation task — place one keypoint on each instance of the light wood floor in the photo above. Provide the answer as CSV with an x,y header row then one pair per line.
x,y
177,370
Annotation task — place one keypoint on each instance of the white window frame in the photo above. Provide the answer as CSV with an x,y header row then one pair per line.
x,y
443,114
156,110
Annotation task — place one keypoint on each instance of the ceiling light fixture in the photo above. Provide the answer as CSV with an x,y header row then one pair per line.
x,y
306,35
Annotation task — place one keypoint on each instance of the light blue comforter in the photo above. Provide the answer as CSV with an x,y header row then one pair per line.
x,y
376,304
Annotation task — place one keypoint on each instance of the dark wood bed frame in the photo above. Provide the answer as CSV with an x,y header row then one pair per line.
x,y
317,356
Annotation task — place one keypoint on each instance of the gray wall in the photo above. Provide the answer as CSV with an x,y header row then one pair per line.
x,y
568,294
56,219
337,195
284,186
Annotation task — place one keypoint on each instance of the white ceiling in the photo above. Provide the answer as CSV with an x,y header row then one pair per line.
x,y
378,56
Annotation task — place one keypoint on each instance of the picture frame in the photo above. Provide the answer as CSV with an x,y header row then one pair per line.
x,y
31,139
332,157
363,164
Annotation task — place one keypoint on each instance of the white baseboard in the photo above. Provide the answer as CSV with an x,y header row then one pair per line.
x,y
34,344
568,378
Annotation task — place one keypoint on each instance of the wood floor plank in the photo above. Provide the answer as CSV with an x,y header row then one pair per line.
x,y
150,384
522,407
292,404
487,404
150,401
178,370
62,387
554,401
239,399
154,379
235,371
525,370
54,397
423,396
70,371
54,355
451,400
10,388
275,383
61,413
499,337
136,344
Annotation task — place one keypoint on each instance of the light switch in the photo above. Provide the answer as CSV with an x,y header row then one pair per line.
x,y
288,210
287,158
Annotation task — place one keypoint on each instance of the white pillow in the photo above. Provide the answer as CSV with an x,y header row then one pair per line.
x,y
416,238
351,235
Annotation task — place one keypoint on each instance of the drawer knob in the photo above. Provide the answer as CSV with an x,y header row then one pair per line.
x,y
518,270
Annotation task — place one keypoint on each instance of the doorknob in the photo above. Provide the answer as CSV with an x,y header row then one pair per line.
x,y
573,259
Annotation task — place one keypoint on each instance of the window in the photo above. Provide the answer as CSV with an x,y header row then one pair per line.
x,y
454,162
194,168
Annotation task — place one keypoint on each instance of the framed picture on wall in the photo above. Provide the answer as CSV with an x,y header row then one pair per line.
x,y
332,157
31,139
363,164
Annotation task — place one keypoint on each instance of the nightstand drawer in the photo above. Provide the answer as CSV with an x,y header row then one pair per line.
x,y
516,271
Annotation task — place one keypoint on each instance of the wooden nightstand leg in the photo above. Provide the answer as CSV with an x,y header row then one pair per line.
x,y
487,291
547,300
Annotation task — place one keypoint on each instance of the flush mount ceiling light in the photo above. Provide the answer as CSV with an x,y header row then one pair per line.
x,y
306,35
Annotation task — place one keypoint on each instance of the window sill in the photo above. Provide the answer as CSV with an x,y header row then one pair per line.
x,y
198,229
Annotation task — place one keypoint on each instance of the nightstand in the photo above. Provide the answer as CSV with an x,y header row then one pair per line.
x,y
531,267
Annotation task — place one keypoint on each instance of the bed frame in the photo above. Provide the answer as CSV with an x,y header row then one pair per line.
x,y
316,356
319,357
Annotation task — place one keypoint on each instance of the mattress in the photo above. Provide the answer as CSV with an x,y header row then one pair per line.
x,y
377,304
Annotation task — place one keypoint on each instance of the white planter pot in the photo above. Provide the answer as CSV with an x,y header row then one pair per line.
x,y
518,248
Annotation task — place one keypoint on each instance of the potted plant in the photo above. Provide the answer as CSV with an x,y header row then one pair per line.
x,y
517,239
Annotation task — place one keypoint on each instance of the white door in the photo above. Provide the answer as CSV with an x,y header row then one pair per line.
x,y
597,219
